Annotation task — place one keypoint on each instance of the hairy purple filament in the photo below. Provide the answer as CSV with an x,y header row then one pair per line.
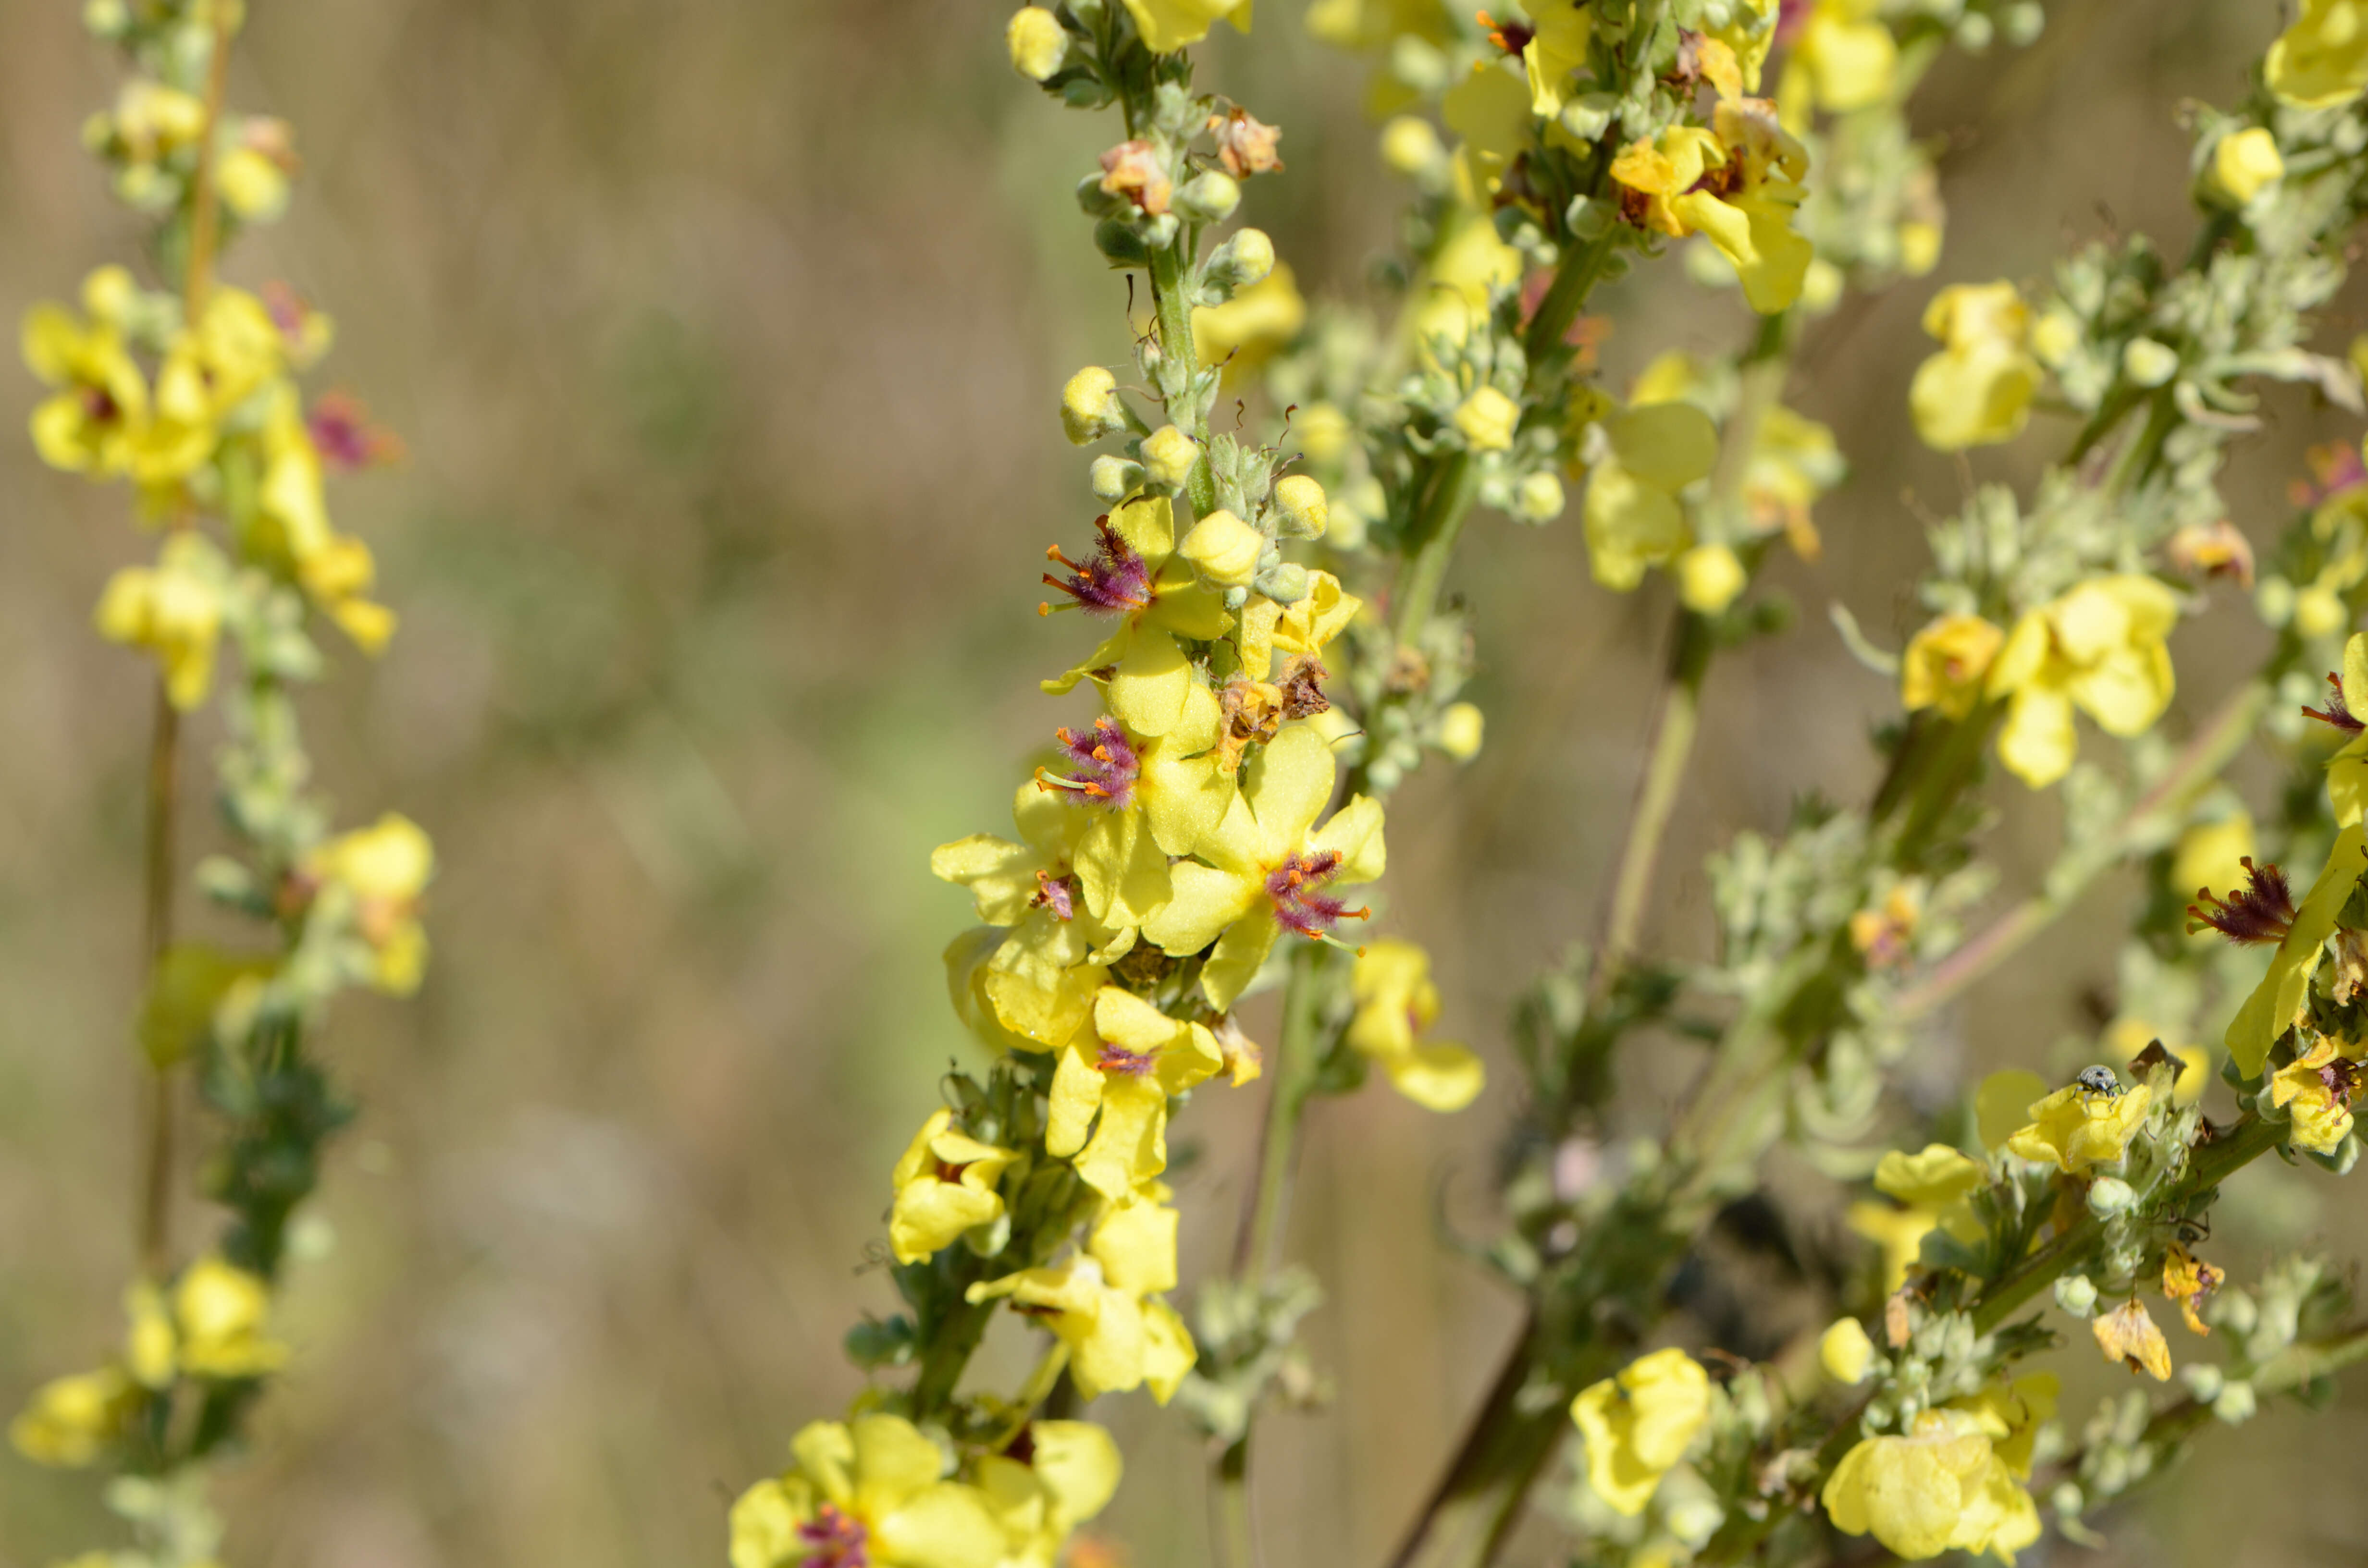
x,y
1115,580
2261,912
1102,766
1126,1063
1295,887
1056,894
2337,712
832,1540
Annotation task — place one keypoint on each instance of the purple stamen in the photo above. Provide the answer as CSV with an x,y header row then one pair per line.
x,y
1056,894
1126,1063
1114,581
1300,904
2337,712
1102,767
832,1540
2260,913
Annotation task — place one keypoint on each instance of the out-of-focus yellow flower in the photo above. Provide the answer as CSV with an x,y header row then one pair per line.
x,y
1487,419
1640,1423
2128,1334
1270,868
1936,1185
1095,1305
868,1491
1452,295
1845,1352
2189,1281
1395,1004
2212,855
1709,577
1556,49
1249,329
1072,1472
1168,24
2322,59
2316,1089
1137,576
1978,390
69,1421
1460,730
223,1316
2077,1128
151,1347
2277,1004
253,184
1750,34
2002,1103
338,578
1632,513
1946,663
1135,1058
2100,648
174,610
945,1185
1939,1487
2244,163
1738,185
385,870
1036,43
1842,59
92,422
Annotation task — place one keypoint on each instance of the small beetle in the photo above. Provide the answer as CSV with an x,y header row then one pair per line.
x,y
2099,1080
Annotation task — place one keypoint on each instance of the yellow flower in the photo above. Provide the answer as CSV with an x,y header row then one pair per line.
x,y
1936,1186
1268,868
1709,577
224,1315
101,408
1168,24
1137,576
1945,663
1738,185
1460,730
2278,1002
2244,163
1845,1352
1468,266
1250,328
1999,1105
1842,59
1750,35
338,578
69,1421
2127,1335
385,869
1225,549
1118,1080
1632,513
1556,48
174,610
867,1491
1036,43
1095,1305
253,184
2347,770
1072,1471
945,1185
2317,1086
1939,1487
1487,419
2100,648
1640,1423
1978,390
2189,1281
150,1347
2322,59
2077,1128
1396,1002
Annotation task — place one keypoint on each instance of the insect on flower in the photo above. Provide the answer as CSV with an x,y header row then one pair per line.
x,y
2099,1079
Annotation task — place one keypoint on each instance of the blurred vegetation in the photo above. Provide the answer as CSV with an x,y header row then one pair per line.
x,y
725,342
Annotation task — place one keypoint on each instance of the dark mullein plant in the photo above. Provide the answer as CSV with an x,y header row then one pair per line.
x,y
186,389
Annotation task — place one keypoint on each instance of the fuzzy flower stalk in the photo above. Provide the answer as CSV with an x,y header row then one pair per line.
x,y
189,391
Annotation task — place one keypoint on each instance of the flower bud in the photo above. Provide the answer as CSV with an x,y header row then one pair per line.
x,y
1243,259
2244,164
1538,498
1285,583
1487,419
1223,549
2066,1500
1095,203
1037,43
1115,479
1588,115
1300,508
2148,363
1459,729
1168,457
1210,198
2077,1294
2108,1196
1845,1352
2054,337
1410,147
2203,1379
1708,576
2235,1404
1118,240
1089,407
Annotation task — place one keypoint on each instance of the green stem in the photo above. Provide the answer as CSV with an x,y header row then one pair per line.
x,y
1178,367
1236,1538
1453,490
1675,723
1292,1069
950,1349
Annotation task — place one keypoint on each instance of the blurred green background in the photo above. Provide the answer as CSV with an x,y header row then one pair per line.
x,y
726,340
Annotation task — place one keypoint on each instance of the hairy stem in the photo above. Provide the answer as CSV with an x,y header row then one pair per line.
x,y
1178,365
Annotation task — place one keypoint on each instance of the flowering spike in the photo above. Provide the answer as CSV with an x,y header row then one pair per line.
x,y
2260,913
